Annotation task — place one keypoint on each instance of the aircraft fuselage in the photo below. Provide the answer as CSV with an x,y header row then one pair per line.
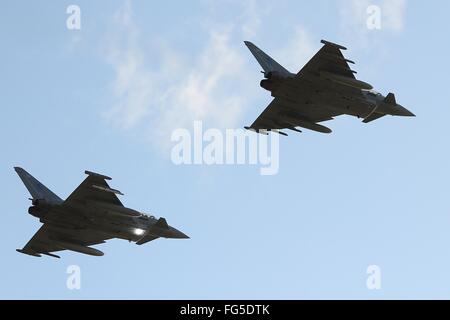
x,y
116,221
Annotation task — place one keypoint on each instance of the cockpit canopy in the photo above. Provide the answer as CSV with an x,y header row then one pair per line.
x,y
145,216
373,93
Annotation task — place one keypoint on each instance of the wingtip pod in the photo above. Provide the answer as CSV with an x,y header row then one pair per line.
x,y
325,42
259,131
30,253
98,175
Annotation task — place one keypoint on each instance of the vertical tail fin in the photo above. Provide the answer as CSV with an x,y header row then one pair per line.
x,y
37,189
267,63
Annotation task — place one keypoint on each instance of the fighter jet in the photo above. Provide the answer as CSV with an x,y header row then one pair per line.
x,y
326,87
90,215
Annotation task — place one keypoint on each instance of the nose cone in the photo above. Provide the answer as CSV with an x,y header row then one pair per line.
x,y
402,111
177,234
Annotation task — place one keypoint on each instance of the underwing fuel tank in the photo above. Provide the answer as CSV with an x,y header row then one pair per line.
x,y
346,81
79,248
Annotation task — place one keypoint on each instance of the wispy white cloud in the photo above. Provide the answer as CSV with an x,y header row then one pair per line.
x,y
133,85
163,91
298,50
209,89
354,16
253,18
159,91
394,12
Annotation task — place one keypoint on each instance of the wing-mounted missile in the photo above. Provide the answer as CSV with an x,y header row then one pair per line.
x,y
334,57
35,254
105,189
261,131
279,132
51,255
294,129
102,187
340,73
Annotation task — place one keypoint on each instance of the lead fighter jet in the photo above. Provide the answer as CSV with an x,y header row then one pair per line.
x,y
326,87
91,215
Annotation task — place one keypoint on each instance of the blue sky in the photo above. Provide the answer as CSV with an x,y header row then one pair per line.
x,y
106,97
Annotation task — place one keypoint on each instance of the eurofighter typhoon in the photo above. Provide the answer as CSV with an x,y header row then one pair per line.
x,y
326,87
89,216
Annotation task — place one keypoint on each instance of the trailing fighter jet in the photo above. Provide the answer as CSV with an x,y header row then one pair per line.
x,y
326,87
92,214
